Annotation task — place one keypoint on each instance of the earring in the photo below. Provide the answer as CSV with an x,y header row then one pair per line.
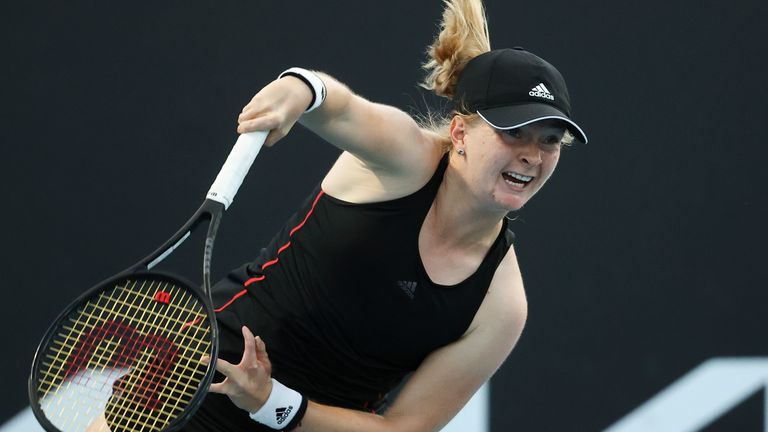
x,y
460,151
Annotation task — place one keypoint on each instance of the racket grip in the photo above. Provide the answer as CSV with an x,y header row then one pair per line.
x,y
236,166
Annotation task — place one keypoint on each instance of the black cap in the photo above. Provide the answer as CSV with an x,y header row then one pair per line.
x,y
511,88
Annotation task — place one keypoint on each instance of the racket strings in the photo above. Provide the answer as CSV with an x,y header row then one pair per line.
x,y
128,411
138,391
128,355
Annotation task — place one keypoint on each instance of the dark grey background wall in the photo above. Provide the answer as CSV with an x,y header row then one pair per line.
x,y
643,257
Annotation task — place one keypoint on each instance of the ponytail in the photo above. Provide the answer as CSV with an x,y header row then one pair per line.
x,y
463,36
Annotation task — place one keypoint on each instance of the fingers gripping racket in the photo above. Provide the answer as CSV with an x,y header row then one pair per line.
x,y
128,351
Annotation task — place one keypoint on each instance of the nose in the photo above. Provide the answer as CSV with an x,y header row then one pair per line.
x,y
530,153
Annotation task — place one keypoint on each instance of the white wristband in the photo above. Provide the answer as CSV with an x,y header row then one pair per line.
x,y
312,81
284,407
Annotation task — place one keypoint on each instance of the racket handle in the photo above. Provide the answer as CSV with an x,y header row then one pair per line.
x,y
236,166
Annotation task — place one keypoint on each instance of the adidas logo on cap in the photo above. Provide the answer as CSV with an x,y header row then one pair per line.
x,y
541,91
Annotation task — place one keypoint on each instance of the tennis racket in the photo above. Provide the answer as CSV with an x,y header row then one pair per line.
x,y
128,351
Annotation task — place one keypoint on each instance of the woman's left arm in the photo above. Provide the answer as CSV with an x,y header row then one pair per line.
x,y
438,389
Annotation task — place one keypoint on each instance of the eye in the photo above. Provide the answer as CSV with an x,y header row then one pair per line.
x,y
550,143
514,133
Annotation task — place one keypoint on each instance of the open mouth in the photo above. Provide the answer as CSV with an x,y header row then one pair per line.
x,y
516,179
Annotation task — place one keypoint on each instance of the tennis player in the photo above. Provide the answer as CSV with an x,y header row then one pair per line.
x,y
401,262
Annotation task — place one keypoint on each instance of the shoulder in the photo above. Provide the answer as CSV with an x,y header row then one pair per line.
x,y
359,180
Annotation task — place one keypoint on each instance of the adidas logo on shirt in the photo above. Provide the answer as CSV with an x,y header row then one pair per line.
x,y
408,287
282,413
541,91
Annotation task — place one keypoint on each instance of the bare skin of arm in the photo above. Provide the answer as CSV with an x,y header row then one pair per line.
x,y
385,153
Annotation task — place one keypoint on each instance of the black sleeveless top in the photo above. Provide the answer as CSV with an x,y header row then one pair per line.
x,y
342,300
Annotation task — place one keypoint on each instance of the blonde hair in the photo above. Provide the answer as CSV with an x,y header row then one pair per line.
x,y
463,36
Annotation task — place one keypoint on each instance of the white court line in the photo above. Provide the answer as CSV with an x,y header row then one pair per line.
x,y
700,397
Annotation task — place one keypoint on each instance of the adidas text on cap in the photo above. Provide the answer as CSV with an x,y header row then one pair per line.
x,y
512,87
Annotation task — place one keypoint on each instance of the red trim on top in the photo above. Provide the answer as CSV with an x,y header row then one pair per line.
x,y
285,246
236,296
256,279
274,261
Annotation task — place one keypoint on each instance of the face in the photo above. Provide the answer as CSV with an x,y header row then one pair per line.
x,y
505,168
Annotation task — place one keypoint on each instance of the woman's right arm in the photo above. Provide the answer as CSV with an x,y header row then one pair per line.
x,y
384,138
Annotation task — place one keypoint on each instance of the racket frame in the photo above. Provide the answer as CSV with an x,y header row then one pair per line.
x,y
210,211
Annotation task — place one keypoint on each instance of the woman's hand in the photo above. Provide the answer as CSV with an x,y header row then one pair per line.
x,y
276,108
249,383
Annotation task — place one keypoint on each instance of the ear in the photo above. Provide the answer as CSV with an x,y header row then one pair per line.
x,y
458,129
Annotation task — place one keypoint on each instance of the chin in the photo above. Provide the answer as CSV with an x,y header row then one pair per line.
x,y
514,198
512,203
